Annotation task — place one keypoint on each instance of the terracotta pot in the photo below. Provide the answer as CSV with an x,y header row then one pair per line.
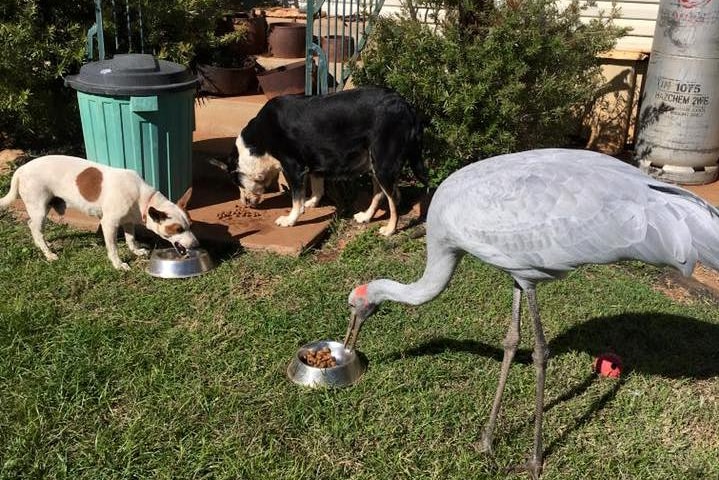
x,y
338,48
287,39
256,39
224,81
285,80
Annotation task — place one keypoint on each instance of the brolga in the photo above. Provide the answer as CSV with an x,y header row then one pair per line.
x,y
537,215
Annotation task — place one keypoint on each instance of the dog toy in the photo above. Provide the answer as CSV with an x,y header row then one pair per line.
x,y
608,365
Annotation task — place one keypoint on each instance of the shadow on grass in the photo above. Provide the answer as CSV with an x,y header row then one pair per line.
x,y
671,346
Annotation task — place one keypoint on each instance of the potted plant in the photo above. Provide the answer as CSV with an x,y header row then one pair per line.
x,y
222,64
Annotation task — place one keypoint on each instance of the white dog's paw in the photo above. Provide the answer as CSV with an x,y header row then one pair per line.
x,y
141,252
386,231
312,202
284,221
121,266
362,217
51,257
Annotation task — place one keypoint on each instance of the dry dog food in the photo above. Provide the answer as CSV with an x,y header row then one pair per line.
x,y
321,358
238,211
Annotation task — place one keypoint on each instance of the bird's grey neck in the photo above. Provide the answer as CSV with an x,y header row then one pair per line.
x,y
437,273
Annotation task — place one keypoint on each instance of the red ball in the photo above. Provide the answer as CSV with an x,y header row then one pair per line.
x,y
608,365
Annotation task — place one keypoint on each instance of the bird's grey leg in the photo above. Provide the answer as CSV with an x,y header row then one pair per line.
x,y
511,341
540,357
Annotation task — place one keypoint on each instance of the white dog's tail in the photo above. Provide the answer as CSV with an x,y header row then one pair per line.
x,y
12,194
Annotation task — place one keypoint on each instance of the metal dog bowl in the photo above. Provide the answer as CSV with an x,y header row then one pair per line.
x,y
348,370
167,263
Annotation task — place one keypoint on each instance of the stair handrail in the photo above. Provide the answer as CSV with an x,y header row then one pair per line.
x,y
314,10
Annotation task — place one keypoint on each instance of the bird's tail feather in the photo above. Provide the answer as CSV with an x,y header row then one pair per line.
x,y
705,237
12,194
703,223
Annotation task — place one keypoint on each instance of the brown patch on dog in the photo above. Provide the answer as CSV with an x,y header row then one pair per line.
x,y
89,183
174,229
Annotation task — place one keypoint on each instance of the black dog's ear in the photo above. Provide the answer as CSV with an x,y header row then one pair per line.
x,y
157,215
233,159
221,164
229,163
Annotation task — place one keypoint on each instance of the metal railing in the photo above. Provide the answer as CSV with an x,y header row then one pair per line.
x,y
336,35
123,17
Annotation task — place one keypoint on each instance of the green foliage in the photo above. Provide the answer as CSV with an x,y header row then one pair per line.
x,y
492,80
42,41
177,30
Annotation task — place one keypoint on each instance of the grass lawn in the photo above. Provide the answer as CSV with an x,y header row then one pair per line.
x,y
109,375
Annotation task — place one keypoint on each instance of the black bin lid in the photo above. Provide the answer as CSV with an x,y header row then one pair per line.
x,y
132,74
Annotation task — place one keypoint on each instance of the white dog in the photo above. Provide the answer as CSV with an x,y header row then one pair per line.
x,y
117,196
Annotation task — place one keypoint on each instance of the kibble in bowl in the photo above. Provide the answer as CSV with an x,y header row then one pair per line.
x,y
320,358
327,363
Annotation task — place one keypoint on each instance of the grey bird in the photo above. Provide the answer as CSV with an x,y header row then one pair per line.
x,y
537,215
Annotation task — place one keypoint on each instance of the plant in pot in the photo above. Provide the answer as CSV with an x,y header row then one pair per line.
x,y
222,66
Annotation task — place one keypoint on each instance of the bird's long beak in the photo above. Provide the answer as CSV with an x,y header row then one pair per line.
x,y
352,330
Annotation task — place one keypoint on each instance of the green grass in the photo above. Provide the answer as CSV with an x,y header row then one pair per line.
x,y
107,375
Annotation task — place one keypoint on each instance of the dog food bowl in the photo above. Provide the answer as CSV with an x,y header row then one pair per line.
x,y
167,263
348,370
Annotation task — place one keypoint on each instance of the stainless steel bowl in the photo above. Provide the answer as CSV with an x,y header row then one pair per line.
x,y
167,263
348,370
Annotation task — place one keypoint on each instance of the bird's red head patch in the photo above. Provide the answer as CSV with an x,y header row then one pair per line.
x,y
361,291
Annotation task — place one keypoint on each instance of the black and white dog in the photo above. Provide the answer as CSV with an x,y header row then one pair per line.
x,y
340,135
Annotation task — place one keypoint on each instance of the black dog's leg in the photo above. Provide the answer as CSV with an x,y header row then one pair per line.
x,y
296,181
387,164
366,216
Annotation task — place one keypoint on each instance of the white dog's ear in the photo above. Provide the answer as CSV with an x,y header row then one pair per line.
x,y
185,199
157,215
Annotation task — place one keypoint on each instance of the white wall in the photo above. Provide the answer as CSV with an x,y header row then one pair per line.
x,y
640,15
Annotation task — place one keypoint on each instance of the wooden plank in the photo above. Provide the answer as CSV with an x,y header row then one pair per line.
x,y
627,10
639,44
640,28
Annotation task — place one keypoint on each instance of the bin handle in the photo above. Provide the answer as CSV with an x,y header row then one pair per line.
x,y
143,104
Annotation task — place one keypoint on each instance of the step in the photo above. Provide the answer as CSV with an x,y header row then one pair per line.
x,y
223,117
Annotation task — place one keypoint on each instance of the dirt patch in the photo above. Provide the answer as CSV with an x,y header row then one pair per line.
x,y
674,290
331,251
707,277
8,157
704,282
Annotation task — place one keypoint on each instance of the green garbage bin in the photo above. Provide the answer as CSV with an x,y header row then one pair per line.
x,y
137,112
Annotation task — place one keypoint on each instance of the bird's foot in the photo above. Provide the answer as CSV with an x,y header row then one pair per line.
x,y
533,467
485,444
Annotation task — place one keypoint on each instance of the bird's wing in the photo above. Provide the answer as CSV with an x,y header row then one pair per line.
x,y
545,210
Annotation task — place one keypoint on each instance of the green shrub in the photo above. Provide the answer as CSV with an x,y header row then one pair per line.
x,y
175,29
42,41
491,80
